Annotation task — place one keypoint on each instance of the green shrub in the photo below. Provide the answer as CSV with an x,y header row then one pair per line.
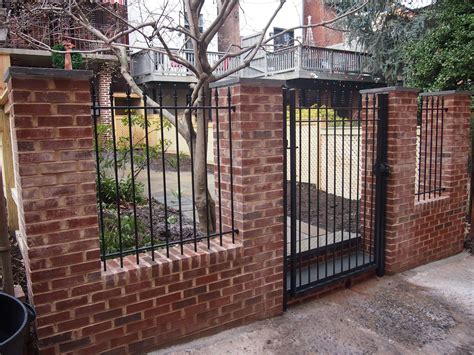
x,y
125,187
58,58
107,161
127,232
320,113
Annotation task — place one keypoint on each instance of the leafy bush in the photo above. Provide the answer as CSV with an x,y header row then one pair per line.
x,y
321,113
108,191
127,232
58,58
123,153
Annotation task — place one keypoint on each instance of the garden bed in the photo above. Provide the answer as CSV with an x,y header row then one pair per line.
x,y
337,218
167,227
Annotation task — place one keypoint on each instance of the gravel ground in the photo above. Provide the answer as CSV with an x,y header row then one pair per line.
x,y
427,310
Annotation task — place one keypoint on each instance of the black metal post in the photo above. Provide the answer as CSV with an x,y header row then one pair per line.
x,y
285,199
293,188
381,171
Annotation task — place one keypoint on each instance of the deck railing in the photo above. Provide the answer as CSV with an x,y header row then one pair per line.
x,y
153,62
272,63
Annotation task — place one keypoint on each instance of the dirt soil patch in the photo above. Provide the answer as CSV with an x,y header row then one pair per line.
x,y
166,223
18,266
325,210
167,226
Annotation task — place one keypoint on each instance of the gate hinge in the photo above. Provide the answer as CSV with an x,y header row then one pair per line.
x,y
381,168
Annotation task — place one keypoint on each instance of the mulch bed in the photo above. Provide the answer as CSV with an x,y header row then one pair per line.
x,y
167,226
175,226
337,217
18,267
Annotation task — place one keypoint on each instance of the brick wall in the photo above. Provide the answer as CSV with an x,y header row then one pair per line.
x,y
418,232
83,309
323,37
51,30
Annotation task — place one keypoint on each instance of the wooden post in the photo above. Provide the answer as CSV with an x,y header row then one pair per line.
x,y
6,149
5,244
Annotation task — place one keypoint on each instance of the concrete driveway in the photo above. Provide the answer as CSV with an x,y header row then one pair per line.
x,y
428,310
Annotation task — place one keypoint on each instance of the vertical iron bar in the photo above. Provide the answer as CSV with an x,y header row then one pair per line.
x,y
285,198
327,185
359,194
205,126
318,193
426,147
99,182
431,149
372,187
420,147
333,102
191,150
381,182
300,163
309,182
218,147
117,186
366,144
147,148
441,147
178,169
436,149
293,188
342,193
163,163
132,175
229,113
351,114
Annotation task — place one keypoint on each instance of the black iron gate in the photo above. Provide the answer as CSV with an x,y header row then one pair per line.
x,y
335,178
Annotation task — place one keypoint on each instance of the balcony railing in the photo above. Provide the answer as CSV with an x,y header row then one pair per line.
x,y
317,59
151,62
312,59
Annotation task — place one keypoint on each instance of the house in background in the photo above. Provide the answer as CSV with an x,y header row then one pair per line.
x,y
318,58
17,51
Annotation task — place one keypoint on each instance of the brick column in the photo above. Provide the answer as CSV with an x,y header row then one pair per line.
x,y
55,179
418,232
257,158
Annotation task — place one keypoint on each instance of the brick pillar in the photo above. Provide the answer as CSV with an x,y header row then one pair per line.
x,y
55,179
257,151
418,232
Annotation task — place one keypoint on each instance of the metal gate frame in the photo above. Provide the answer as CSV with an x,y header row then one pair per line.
x,y
379,170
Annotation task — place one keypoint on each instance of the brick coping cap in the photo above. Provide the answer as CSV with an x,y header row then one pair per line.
x,y
248,82
48,73
389,89
447,92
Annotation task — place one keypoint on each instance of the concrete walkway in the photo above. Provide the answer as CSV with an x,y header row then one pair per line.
x,y
428,310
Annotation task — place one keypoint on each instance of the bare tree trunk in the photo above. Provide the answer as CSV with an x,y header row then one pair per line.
x,y
205,204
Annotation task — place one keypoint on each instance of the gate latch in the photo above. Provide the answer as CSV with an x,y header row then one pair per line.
x,y
381,168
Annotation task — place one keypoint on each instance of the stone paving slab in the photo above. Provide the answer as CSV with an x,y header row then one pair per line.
x,y
313,237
